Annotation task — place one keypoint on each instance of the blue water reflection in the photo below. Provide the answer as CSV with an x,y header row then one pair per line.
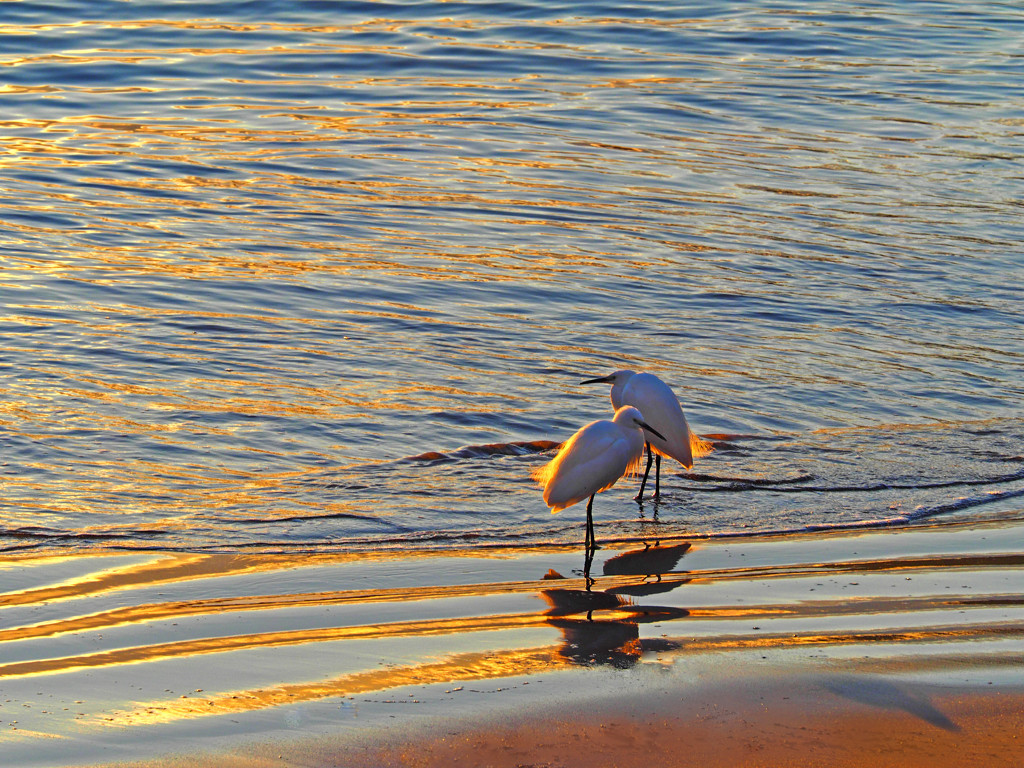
x,y
255,256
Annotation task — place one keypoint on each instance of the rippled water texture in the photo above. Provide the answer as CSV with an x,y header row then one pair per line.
x,y
255,257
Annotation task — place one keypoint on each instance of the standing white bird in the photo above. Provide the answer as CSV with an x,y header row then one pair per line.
x,y
592,460
661,408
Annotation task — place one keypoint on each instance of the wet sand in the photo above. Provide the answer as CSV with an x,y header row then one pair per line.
x,y
869,647
809,720
797,724
734,733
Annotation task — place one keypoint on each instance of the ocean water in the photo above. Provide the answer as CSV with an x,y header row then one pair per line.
x,y
325,276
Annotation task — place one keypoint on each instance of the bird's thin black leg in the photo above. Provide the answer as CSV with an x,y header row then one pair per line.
x,y
657,476
643,483
589,545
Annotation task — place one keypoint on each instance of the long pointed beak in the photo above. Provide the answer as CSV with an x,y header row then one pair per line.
x,y
652,430
598,380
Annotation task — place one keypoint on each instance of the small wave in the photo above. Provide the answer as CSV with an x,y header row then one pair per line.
x,y
923,512
743,483
519,448
529,447
735,484
271,520
720,441
31,537
50,534
920,513
399,540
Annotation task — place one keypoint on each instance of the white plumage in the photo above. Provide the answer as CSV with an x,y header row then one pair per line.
x,y
592,460
661,409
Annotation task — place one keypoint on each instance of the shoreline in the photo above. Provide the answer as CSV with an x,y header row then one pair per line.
x,y
775,649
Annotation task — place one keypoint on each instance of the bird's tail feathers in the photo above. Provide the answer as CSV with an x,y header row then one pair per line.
x,y
699,446
543,474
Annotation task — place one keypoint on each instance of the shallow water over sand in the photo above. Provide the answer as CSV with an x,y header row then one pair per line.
x,y
134,655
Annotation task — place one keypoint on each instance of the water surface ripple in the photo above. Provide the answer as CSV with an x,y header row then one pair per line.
x,y
256,257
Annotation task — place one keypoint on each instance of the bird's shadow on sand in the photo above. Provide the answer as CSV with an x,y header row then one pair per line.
x,y
885,694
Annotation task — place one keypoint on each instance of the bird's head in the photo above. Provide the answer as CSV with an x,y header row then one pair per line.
x,y
618,380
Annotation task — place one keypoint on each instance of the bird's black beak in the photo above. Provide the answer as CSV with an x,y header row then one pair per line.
x,y
652,430
598,380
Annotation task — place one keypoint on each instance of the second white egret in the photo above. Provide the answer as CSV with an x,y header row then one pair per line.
x,y
661,408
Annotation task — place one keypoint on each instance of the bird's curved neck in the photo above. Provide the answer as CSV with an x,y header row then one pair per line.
x,y
617,388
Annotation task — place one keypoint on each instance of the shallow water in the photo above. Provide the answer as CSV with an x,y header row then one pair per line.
x,y
259,256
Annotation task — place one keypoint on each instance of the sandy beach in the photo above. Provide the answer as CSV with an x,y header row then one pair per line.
x,y
865,647
801,721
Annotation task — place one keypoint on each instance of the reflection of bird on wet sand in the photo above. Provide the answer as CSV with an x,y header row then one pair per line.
x,y
651,562
613,641
586,642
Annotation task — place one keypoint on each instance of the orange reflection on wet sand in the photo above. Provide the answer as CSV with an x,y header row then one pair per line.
x,y
463,668
191,648
157,569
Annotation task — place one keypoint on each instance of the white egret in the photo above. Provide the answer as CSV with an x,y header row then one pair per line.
x,y
592,460
661,408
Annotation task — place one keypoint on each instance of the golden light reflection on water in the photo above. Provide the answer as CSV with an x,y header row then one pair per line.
x,y
461,667
584,642
170,568
235,643
564,597
155,569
